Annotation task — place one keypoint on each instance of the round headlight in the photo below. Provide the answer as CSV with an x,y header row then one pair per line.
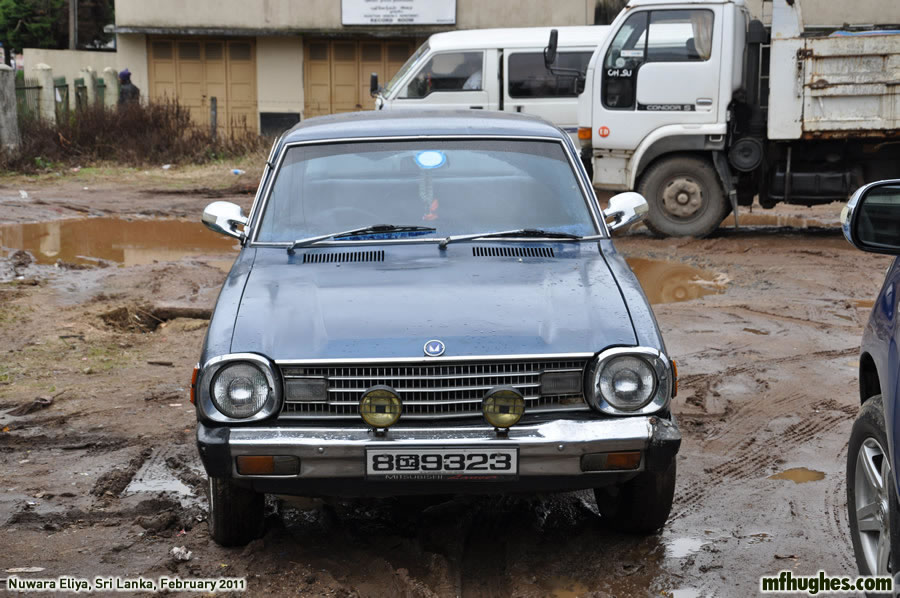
x,y
503,407
240,390
380,407
626,382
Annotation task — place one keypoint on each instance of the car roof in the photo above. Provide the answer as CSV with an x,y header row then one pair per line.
x,y
402,123
520,37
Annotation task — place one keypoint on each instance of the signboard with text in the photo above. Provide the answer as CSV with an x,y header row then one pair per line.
x,y
398,12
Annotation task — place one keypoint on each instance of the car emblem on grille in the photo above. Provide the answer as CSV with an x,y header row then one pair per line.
x,y
434,348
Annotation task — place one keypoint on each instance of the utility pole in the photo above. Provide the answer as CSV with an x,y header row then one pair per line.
x,y
73,24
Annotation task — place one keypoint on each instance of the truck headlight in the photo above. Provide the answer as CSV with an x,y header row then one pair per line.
x,y
238,387
240,390
630,381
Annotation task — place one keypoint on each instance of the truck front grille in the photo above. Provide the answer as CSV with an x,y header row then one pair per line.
x,y
432,391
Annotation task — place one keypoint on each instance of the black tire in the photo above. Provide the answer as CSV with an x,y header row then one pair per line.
x,y
640,505
236,514
694,181
869,435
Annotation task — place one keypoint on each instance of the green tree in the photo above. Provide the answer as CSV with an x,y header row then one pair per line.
x,y
34,23
45,23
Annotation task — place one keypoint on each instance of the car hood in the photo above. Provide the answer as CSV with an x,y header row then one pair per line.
x,y
295,309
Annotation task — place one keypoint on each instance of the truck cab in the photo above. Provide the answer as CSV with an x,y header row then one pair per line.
x,y
494,69
701,109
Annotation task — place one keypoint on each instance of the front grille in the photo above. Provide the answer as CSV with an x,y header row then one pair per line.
x,y
432,391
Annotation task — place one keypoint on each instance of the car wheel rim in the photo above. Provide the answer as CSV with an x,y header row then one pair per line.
x,y
682,197
873,474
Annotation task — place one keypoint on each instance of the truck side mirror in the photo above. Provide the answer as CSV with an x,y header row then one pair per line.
x,y
373,84
625,209
550,50
871,219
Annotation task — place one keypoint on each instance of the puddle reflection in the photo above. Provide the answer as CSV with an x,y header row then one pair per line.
x,y
670,282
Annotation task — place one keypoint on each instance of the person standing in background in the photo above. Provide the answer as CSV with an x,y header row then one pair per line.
x,y
128,91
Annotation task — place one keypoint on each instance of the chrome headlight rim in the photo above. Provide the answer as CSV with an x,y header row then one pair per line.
x,y
657,361
211,369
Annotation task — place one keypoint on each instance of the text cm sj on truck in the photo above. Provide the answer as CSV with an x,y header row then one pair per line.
x,y
700,108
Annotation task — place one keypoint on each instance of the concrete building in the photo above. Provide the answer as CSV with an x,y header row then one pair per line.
x,y
273,62
270,63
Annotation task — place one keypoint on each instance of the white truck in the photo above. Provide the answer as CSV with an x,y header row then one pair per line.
x,y
700,109
494,69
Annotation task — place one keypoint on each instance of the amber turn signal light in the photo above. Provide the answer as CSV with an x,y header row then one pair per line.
x,y
584,132
674,379
194,382
611,461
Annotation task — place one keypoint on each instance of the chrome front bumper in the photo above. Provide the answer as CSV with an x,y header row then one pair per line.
x,y
546,450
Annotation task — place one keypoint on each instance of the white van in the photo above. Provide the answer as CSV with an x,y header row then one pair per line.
x,y
494,69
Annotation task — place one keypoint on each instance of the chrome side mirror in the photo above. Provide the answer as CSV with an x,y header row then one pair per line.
x,y
871,219
625,209
224,217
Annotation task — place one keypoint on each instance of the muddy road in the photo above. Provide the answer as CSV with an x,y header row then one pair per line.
x,y
101,320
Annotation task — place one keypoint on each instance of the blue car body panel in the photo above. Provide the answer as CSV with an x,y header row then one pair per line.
x,y
880,343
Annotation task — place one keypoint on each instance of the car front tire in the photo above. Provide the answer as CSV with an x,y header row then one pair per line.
x,y
641,505
871,494
236,514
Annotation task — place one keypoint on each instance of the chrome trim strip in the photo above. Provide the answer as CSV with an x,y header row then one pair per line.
x,y
435,377
587,193
428,360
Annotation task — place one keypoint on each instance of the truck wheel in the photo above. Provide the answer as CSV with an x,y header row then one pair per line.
x,y
236,514
871,494
639,506
684,196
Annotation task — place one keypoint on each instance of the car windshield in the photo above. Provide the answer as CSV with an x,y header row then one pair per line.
x,y
456,187
405,68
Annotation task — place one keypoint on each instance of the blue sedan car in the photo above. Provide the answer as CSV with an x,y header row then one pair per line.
x,y
431,303
871,222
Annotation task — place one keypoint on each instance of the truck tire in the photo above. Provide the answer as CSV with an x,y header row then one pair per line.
x,y
639,506
236,514
877,544
685,197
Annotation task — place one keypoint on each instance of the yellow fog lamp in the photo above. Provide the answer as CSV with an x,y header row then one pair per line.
x,y
380,407
503,407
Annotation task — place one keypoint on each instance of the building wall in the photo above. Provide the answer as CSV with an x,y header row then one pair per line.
x,y
291,15
132,51
68,63
279,74
834,13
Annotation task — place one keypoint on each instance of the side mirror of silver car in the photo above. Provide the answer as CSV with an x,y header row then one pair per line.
x,y
625,209
871,219
224,217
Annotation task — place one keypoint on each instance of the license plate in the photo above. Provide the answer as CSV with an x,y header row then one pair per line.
x,y
460,464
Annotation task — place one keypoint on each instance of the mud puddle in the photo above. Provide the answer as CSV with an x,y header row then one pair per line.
x,y
799,475
671,282
94,240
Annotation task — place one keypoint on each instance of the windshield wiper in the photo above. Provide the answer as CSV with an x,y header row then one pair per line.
x,y
374,229
521,232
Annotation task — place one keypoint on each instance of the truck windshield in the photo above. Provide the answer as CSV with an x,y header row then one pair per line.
x,y
456,187
423,49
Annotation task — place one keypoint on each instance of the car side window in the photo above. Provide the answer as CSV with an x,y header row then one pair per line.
x,y
450,71
529,78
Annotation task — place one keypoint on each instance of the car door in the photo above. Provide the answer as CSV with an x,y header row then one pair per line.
x,y
530,88
661,67
453,80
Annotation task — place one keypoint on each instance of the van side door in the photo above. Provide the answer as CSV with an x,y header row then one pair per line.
x,y
530,88
457,79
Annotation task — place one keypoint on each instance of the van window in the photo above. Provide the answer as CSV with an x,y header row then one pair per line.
x,y
451,71
529,78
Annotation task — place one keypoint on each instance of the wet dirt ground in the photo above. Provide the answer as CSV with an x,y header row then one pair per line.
x,y
101,319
